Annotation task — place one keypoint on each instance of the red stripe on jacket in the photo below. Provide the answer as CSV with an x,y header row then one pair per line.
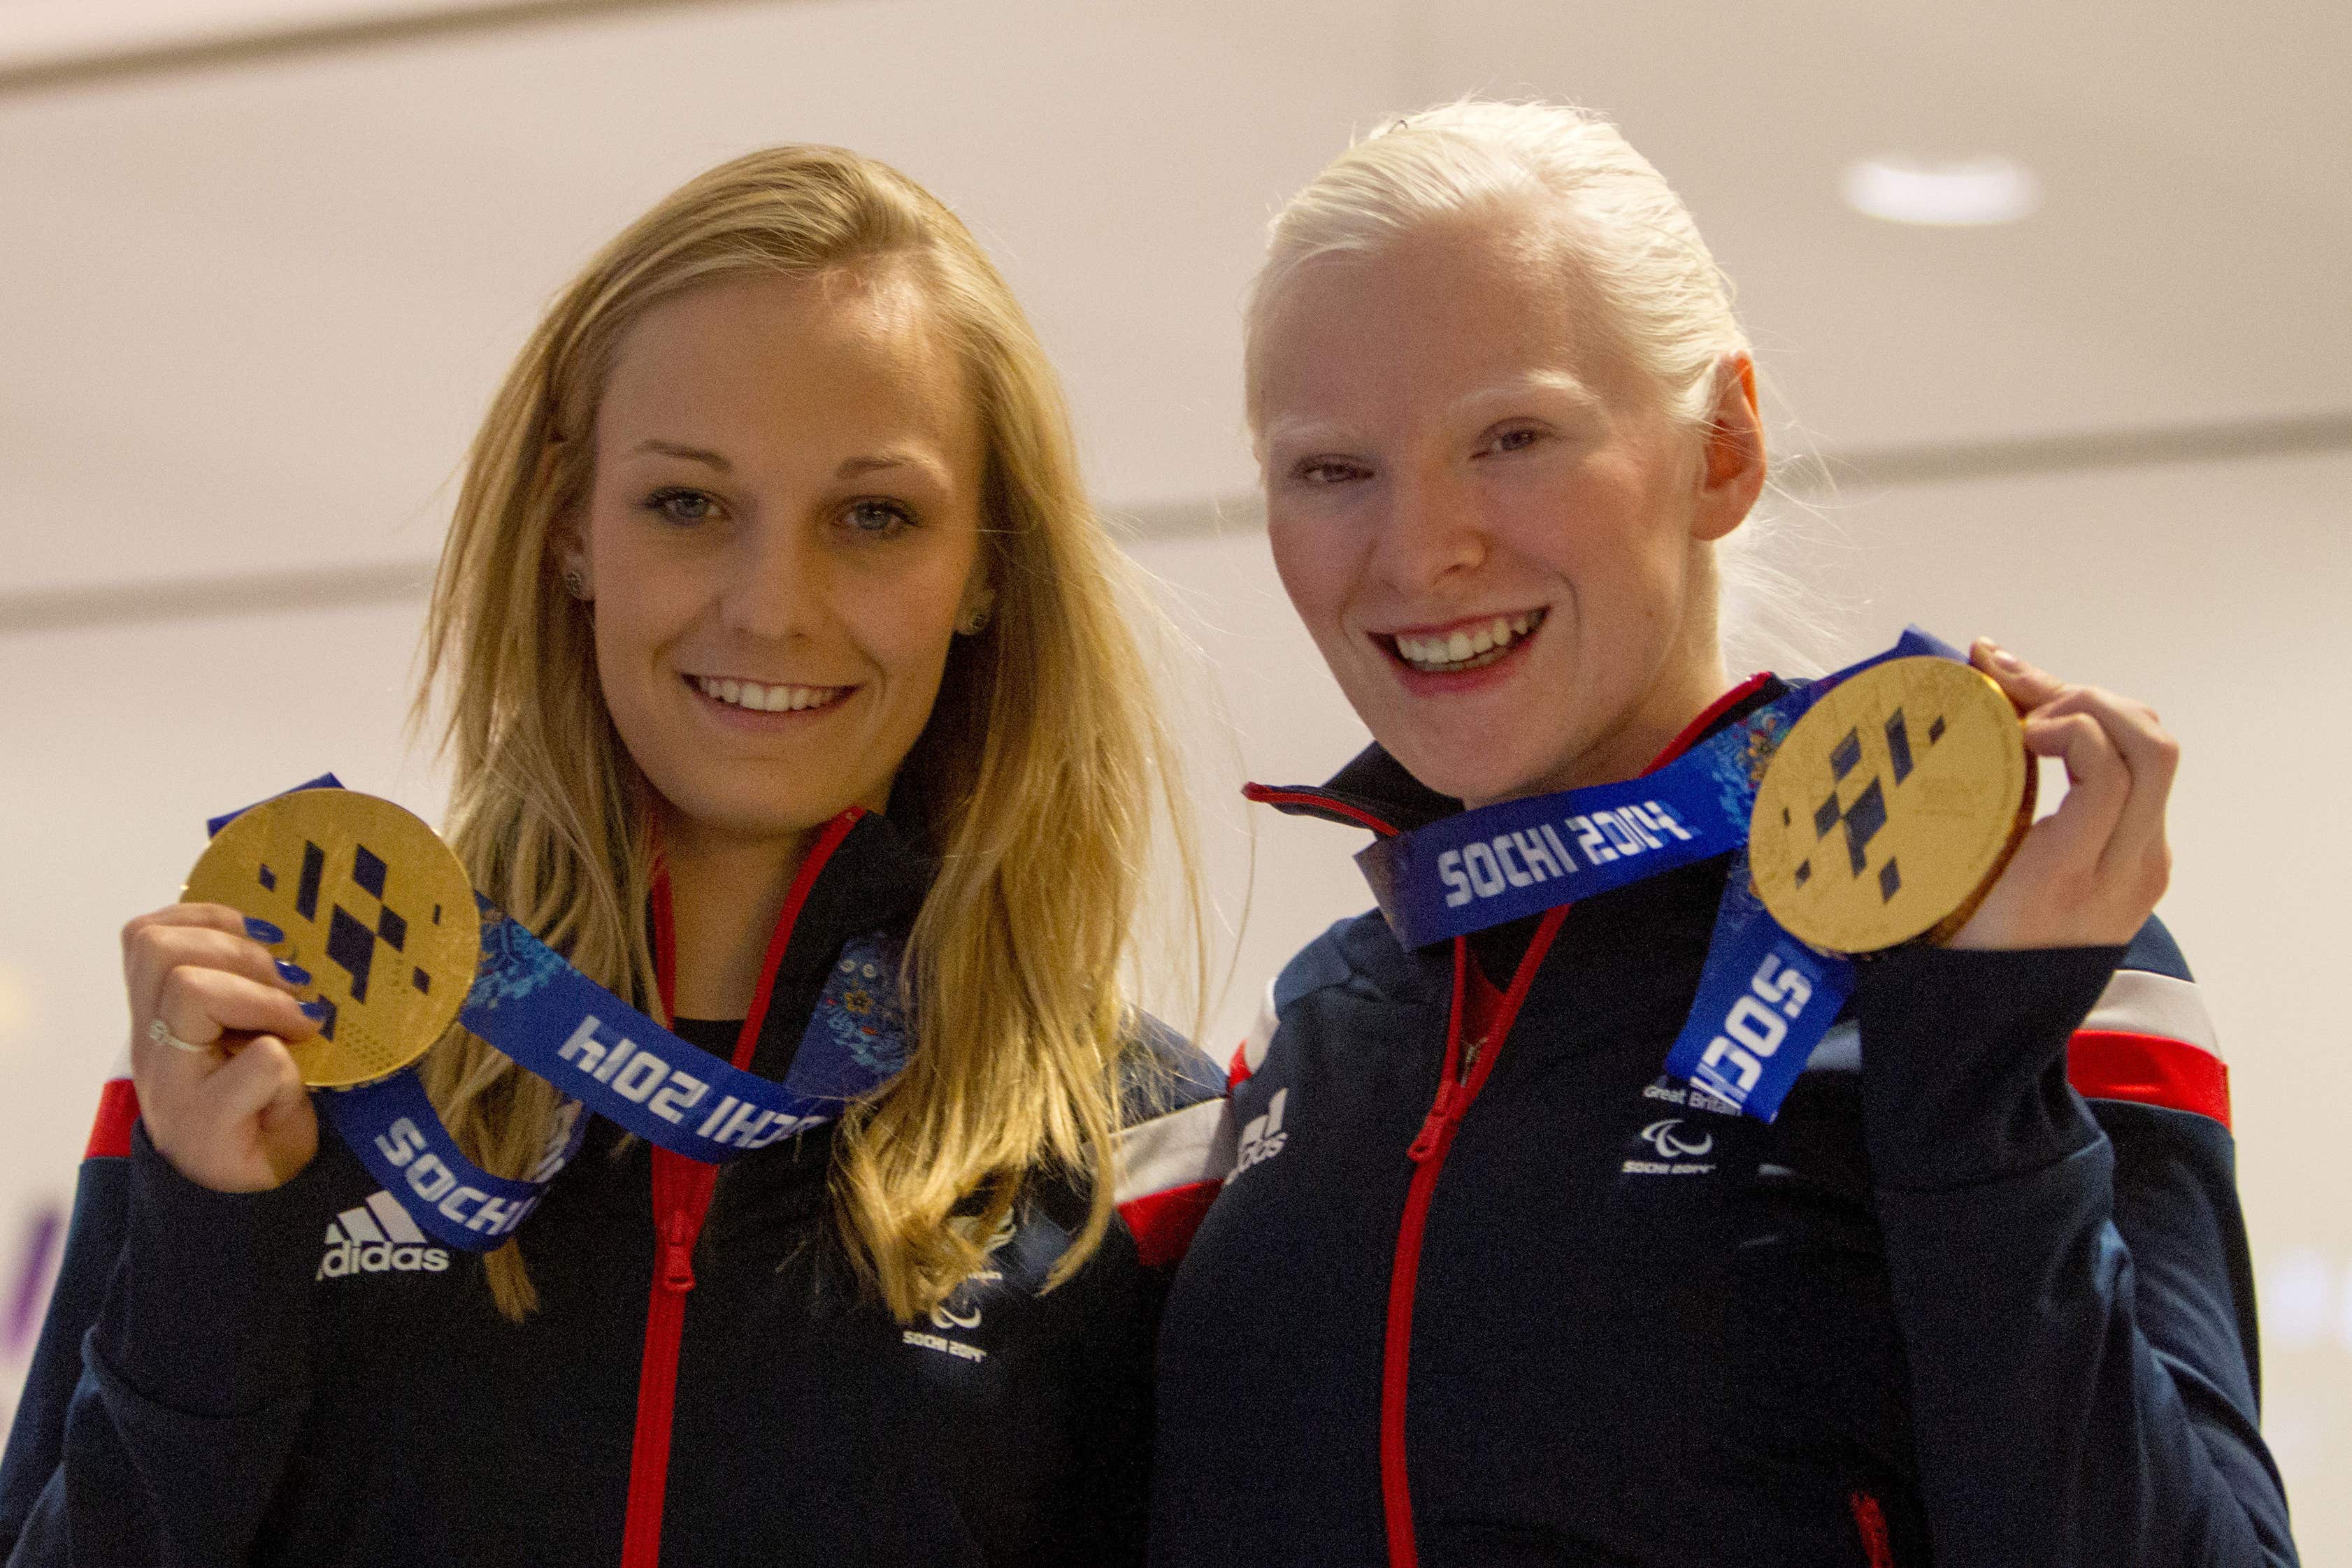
x,y
1162,1223
110,1134
2109,1064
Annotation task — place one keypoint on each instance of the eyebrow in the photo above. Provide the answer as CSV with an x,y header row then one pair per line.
x,y
851,468
1310,432
875,462
1556,381
692,454
1317,432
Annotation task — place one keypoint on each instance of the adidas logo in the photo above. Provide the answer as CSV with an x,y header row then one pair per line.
x,y
1263,1137
378,1238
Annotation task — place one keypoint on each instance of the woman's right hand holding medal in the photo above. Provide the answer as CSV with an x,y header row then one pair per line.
x,y
211,1011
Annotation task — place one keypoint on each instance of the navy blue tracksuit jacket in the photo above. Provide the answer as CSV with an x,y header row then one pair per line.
x,y
1950,1308
300,1377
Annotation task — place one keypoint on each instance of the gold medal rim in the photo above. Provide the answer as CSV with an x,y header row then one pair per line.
x,y
2018,783
321,1062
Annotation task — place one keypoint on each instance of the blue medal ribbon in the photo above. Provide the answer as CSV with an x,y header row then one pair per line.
x,y
609,1058
1765,999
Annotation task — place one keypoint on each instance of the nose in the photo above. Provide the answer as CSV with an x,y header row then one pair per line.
x,y
775,586
1430,530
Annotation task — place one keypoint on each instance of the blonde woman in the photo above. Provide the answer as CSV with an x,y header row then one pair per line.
x,y
788,685
1488,1286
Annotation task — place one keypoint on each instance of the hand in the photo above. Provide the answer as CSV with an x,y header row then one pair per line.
x,y
234,1117
2089,874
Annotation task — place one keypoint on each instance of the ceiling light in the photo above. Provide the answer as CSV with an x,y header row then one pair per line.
x,y
1965,191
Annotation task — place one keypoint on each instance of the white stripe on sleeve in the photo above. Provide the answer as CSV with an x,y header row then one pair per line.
x,y
1180,1149
2139,1002
1261,1034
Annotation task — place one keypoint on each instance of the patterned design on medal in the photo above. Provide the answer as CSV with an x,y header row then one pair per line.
x,y
1865,814
351,942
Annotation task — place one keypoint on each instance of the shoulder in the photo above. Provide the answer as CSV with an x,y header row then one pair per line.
x,y
2148,1039
1346,980
1359,954
1161,1070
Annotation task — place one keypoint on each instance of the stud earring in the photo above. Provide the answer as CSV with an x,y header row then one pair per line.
x,y
974,623
575,582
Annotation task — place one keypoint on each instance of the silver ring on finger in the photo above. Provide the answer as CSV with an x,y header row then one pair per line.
x,y
161,1033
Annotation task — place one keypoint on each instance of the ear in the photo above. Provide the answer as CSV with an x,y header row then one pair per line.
x,y
1732,462
567,558
978,600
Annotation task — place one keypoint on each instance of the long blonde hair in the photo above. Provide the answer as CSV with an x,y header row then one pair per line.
x,y
1038,776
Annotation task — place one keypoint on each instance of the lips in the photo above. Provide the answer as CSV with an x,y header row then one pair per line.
x,y
1468,645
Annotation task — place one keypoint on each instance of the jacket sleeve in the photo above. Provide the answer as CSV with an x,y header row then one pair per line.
x,y
2071,1282
1175,1146
172,1377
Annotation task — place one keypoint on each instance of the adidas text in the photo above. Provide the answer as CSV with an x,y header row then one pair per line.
x,y
1263,1137
378,1238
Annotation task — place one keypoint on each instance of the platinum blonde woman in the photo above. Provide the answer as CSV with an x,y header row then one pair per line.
x,y
1488,1286
787,685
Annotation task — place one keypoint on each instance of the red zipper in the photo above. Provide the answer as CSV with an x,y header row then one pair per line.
x,y
1870,1521
1428,1151
682,1189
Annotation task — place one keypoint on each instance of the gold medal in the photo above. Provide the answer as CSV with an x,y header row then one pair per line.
x,y
1891,807
373,903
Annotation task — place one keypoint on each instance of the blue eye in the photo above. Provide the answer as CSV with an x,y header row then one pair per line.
x,y
1517,440
682,506
882,518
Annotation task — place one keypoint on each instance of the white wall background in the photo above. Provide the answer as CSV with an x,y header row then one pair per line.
x,y
252,301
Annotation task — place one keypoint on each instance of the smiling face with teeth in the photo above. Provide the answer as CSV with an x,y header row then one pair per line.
x,y
781,538
1497,535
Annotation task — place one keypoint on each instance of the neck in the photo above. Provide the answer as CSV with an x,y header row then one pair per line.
x,y
725,895
1691,675
1680,694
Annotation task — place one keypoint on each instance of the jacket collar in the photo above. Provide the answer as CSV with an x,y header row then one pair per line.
x,y
1373,790
864,876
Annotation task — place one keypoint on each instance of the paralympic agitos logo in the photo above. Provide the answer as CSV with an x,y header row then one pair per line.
x,y
1661,1136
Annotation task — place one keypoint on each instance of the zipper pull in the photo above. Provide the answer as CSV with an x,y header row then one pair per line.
x,y
1434,1127
677,1255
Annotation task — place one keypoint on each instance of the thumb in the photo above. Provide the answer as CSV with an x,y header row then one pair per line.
x,y
256,1081
280,1103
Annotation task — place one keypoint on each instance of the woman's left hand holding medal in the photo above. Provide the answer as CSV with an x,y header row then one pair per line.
x,y
2090,873
211,1011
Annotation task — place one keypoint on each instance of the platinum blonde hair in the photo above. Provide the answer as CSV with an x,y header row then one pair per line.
x,y
1628,239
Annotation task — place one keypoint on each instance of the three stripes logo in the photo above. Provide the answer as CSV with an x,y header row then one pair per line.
x,y
378,1238
1263,1137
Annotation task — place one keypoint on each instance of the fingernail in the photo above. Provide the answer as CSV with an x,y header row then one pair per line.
x,y
293,974
2002,656
316,1011
263,932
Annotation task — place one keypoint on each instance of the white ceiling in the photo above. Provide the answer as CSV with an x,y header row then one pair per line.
x,y
35,33
249,311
